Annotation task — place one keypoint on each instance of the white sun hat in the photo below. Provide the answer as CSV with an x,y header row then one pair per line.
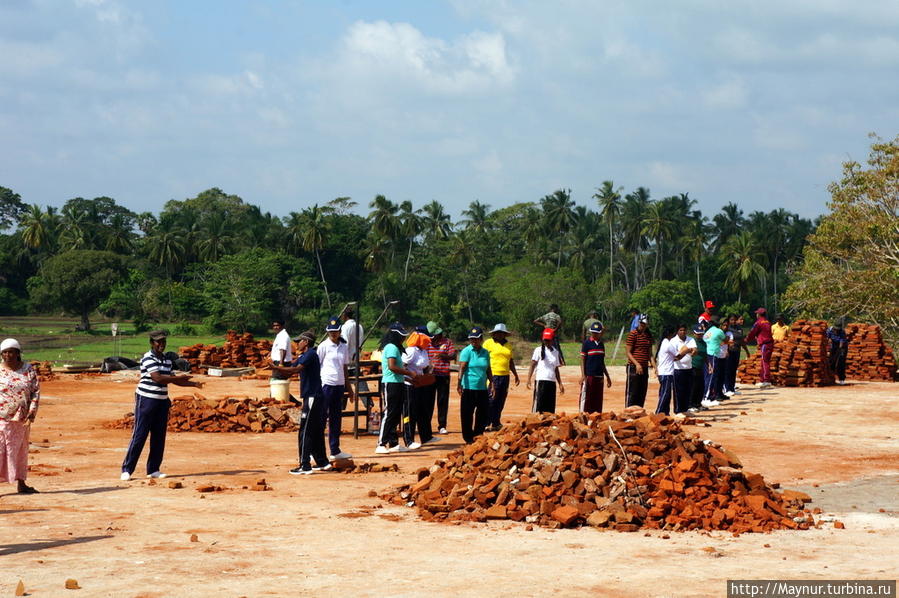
x,y
500,328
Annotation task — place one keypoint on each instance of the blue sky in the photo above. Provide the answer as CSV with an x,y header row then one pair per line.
x,y
293,103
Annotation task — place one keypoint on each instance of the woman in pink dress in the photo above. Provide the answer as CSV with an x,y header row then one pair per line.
x,y
20,393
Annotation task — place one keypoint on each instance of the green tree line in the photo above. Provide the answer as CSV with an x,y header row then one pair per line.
x,y
219,259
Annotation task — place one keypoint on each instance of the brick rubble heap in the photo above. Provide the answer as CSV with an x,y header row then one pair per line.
x,y
239,350
199,414
560,471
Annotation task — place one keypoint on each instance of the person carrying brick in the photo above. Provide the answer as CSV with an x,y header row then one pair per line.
x,y
761,333
683,349
502,364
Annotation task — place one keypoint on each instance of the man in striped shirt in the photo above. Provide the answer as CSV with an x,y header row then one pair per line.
x,y
639,360
151,407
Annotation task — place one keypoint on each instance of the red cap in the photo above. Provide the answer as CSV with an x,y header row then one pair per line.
x,y
709,304
761,310
549,334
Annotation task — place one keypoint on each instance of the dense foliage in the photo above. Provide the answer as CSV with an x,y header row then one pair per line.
x,y
851,263
218,259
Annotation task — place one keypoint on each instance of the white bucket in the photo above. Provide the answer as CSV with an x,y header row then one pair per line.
x,y
280,390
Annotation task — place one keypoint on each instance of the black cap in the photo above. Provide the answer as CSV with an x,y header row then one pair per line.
x,y
158,335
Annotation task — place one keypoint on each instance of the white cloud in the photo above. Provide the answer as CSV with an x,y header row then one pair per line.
x,y
382,55
668,176
729,93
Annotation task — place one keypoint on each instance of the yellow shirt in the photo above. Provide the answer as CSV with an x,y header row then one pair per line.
x,y
500,356
779,332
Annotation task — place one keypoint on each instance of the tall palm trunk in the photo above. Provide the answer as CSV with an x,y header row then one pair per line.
x,y
698,285
321,271
408,257
611,260
775,284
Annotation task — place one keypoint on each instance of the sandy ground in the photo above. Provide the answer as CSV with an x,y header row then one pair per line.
x,y
324,535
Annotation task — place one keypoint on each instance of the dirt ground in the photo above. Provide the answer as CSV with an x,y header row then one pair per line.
x,y
323,535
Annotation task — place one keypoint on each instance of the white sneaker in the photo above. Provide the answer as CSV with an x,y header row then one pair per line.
x,y
125,477
734,392
707,403
728,393
841,382
340,455
156,475
442,431
692,410
327,467
397,449
382,450
760,385
414,445
433,440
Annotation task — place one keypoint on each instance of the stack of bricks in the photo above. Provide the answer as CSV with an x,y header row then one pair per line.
x,y
628,472
239,350
235,414
798,360
868,357
44,370
802,358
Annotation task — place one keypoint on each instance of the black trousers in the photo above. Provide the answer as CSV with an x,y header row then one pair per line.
x,y
838,364
636,385
474,407
733,363
442,391
418,409
697,387
151,416
311,436
544,397
683,386
394,397
666,389
499,390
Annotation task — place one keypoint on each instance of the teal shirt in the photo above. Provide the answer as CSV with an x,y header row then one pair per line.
x,y
713,339
387,375
476,373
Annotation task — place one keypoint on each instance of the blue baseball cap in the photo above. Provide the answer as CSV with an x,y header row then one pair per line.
x,y
399,328
475,332
596,327
333,324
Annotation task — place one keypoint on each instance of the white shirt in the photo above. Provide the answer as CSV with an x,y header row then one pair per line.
x,y
333,357
723,351
685,362
415,359
348,332
665,359
282,343
546,368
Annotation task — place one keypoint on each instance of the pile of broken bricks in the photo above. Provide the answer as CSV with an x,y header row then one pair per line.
x,y
625,472
239,350
233,414
44,370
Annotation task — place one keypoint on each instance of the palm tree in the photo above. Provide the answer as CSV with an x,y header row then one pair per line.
x,y
462,255
410,227
384,221
39,227
632,214
436,223
75,228
167,247
215,238
694,242
315,231
658,225
775,234
558,210
742,262
477,218
609,200
727,224
583,241
119,237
